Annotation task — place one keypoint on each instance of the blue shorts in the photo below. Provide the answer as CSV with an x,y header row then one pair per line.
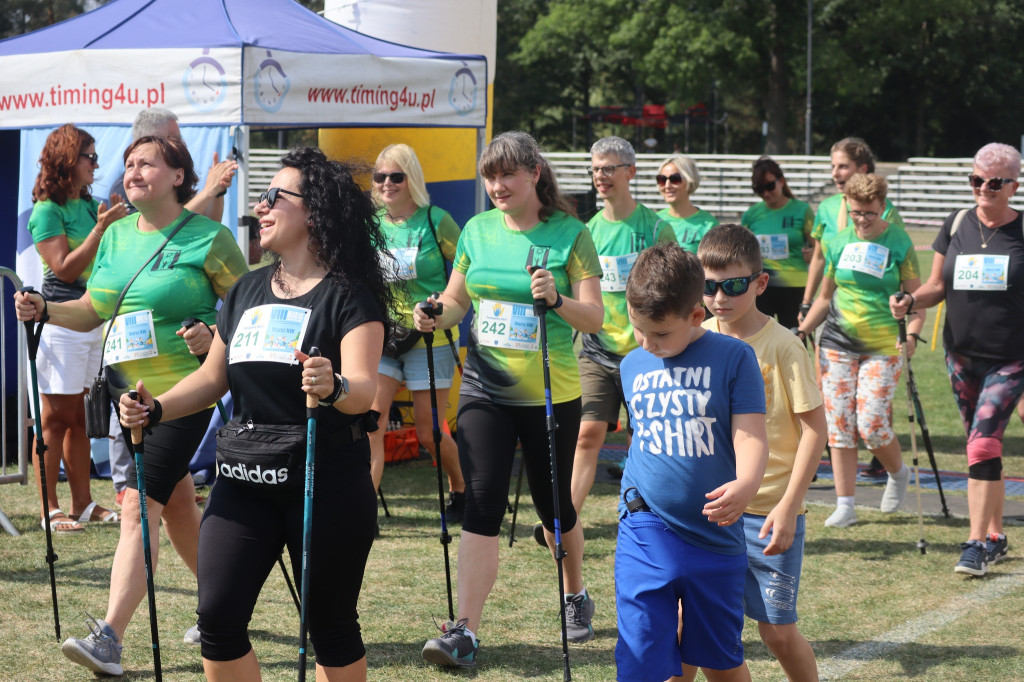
x,y
772,581
655,569
411,368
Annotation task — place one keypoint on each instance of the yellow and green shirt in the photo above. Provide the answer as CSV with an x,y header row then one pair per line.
x,y
689,231
503,361
196,268
827,217
866,273
618,242
419,258
75,219
782,233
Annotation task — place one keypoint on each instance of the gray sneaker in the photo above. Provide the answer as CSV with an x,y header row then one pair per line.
x,y
192,635
454,648
579,611
895,490
99,652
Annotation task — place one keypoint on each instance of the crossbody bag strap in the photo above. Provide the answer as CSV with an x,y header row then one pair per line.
x,y
444,261
957,220
120,299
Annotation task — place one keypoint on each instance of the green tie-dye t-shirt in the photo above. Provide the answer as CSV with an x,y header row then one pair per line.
x,y
618,242
859,320
413,237
782,233
74,220
494,258
196,268
689,231
827,217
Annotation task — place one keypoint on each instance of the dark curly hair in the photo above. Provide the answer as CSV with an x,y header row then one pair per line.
x,y
57,163
344,233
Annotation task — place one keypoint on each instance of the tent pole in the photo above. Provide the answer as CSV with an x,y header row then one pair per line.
x,y
241,143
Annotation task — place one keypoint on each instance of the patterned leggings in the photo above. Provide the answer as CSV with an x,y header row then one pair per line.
x,y
986,394
858,392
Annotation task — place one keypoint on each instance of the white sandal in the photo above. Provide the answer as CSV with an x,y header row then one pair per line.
x,y
88,517
64,525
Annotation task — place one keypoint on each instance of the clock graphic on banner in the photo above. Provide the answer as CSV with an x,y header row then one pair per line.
x,y
462,94
270,84
205,82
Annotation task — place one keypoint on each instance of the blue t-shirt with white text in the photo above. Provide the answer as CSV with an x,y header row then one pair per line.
x,y
681,409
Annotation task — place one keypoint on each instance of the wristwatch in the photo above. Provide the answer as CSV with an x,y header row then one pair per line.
x,y
340,391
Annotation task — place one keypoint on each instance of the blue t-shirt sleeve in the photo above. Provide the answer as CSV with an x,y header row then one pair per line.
x,y
746,395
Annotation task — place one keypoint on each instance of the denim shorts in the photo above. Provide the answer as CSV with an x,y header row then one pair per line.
x,y
411,368
769,595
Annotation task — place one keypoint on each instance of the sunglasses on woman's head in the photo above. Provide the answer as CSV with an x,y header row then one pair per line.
x,y
734,286
270,196
397,178
766,187
994,184
675,179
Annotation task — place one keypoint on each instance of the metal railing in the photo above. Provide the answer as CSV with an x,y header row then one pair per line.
x,y
21,418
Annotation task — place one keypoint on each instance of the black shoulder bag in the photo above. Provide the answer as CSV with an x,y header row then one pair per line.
x,y
98,399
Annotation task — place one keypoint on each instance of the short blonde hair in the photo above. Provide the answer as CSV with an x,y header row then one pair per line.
x,y
403,156
866,187
687,168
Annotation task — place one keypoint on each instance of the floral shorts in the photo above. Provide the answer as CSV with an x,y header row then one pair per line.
x,y
858,392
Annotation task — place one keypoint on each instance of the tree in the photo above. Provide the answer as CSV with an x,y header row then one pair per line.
x,y
22,16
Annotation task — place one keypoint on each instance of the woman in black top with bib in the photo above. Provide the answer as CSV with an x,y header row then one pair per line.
x,y
325,288
979,271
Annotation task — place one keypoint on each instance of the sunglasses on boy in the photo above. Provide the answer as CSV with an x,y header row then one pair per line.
x,y
397,177
675,179
270,196
994,184
734,286
766,187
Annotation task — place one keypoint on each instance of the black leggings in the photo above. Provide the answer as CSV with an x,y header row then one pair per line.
x,y
487,446
166,453
783,302
243,533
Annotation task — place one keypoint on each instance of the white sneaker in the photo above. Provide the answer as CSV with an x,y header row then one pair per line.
x,y
895,490
842,517
192,635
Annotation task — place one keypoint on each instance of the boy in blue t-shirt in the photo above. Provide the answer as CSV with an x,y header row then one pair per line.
x,y
696,400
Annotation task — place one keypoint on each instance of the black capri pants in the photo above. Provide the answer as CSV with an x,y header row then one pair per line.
x,y
487,445
167,453
243,533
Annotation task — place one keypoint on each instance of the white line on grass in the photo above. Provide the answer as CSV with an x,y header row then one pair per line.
x,y
856,656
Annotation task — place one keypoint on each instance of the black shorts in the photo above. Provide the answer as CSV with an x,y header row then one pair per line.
x,y
166,453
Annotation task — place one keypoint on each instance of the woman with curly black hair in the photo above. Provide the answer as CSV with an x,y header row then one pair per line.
x,y
325,287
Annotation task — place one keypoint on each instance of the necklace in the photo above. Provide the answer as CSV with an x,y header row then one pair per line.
x,y
981,233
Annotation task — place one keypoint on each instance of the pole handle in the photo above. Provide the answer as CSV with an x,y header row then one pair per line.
x,y
902,322
190,322
136,430
312,399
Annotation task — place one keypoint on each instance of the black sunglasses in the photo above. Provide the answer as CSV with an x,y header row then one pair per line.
x,y
766,187
270,196
675,179
994,184
734,286
397,178
92,156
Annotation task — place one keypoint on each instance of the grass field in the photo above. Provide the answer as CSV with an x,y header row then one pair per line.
x,y
871,605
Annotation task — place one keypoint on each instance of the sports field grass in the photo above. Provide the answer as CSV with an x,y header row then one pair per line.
x,y
871,605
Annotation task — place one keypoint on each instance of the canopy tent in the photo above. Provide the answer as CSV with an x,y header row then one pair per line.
x,y
230,64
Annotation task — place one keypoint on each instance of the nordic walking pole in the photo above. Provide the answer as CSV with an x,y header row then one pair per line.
x,y
32,340
515,509
540,309
926,436
288,580
138,447
432,311
312,405
922,544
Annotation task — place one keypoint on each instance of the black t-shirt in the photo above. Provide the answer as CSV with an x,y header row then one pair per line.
x,y
980,323
269,392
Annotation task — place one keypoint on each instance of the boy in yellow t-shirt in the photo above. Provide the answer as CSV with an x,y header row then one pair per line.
x,y
774,520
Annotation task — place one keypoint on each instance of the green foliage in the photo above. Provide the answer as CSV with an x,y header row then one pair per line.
x,y
22,16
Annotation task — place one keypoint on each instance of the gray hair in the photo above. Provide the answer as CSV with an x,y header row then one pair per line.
x,y
617,146
152,122
687,168
998,155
